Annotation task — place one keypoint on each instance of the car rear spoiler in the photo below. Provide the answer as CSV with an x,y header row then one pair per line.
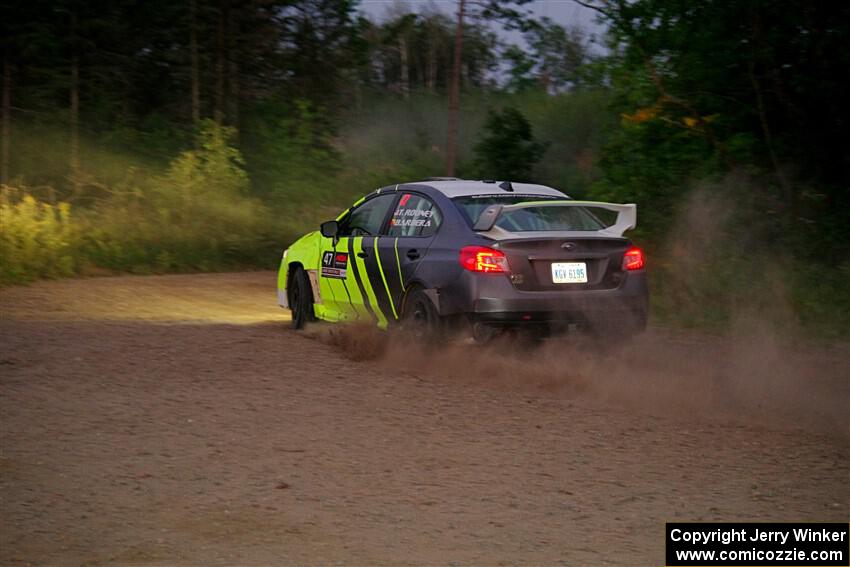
x,y
626,216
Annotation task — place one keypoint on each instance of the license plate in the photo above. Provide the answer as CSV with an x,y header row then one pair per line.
x,y
569,272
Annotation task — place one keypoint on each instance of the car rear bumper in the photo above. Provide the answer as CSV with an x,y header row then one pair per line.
x,y
492,298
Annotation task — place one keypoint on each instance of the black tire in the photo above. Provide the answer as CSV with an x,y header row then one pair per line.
x,y
420,318
300,298
484,334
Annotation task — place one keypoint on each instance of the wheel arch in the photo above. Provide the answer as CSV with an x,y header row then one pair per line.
x,y
432,293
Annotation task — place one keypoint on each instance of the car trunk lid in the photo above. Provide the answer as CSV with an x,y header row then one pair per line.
x,y
560,245
564,263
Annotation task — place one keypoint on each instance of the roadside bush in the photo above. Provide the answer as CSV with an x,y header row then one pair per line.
x,y
196,216
37,240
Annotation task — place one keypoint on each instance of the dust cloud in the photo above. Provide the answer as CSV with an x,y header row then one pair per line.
x,y
750,362
749,377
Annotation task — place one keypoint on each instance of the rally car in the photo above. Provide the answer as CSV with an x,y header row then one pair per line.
x,y
482,255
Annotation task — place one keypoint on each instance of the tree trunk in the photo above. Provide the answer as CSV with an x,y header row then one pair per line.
x,y
7,104
788,193
195,74
358,96
454,96
74,161
405,69
545,80
233,69
221,61
432,66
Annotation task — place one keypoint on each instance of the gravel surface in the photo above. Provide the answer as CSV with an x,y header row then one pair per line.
x,y
176,420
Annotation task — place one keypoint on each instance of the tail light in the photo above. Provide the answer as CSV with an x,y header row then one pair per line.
x,y
633,259
483,259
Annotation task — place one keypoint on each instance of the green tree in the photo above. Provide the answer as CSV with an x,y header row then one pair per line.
x,y
709,87
318,41
415,50
520,71
508,149
289,150
509,14
560,54
215,168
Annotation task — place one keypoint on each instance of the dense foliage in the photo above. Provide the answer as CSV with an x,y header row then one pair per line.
x,y
507,149
755,86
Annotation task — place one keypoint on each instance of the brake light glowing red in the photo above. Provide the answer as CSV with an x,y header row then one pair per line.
x,y
483,259
633,259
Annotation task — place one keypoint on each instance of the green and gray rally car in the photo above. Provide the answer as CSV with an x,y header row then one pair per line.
x,y
483,255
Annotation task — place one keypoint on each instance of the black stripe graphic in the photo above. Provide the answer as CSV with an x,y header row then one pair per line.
x,y
345,287
390,265
374,274
353,261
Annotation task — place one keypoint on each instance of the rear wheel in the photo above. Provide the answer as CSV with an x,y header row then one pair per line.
x,y
483,334
420,317
300,298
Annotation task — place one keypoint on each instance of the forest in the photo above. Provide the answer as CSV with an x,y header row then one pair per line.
x,y
204,135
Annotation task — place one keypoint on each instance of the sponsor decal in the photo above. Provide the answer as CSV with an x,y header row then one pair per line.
x,y
411,217
334,264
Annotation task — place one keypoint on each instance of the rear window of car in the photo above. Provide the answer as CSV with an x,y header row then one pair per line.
x,y
472,206
548,218
531,219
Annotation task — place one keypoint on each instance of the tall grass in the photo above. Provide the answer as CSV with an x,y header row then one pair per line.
x,y
198,215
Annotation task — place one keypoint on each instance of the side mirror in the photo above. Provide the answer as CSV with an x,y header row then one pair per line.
x,y
330,229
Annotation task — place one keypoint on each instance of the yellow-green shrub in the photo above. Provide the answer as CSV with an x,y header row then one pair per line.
x,y
37,240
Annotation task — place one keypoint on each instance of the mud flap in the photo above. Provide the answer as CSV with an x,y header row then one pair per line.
x,y
314,285
434,296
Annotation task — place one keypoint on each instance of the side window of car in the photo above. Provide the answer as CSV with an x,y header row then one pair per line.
x,y
367,219
415,216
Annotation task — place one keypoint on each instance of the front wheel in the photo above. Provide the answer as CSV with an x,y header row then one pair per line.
x,y
420,318
300,298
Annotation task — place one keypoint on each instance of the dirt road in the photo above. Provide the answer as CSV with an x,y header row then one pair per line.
x,y
176,420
